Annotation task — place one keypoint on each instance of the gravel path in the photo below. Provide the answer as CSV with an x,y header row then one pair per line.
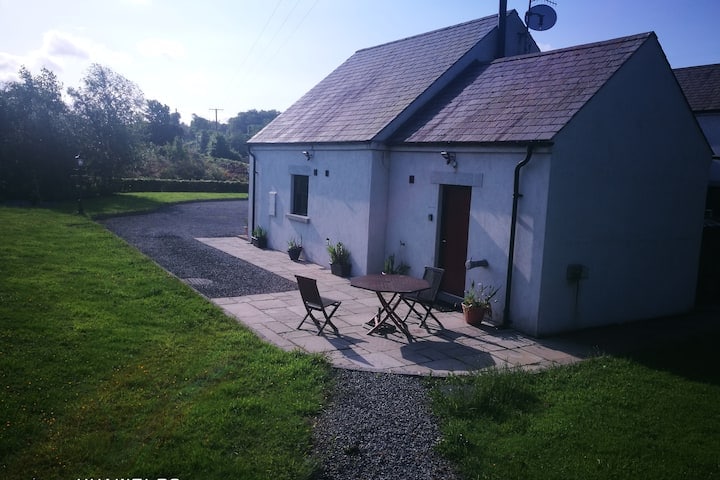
x,y
377,426
168,237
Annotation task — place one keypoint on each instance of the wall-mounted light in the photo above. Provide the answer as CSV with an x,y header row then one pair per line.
x,y
449,158
308,155
470,264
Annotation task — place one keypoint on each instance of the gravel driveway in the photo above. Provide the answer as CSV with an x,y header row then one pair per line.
x,y
376,426
168,237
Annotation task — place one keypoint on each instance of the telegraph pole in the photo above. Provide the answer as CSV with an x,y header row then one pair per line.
x,y
216,120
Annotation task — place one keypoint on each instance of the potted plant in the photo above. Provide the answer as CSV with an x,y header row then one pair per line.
x,y
476,303
259,237
294,249
390,268
339,259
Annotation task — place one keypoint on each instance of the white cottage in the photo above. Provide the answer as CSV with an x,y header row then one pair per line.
x,y
572,179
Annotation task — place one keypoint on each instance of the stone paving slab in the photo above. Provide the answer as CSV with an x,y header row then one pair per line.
x,y
457,348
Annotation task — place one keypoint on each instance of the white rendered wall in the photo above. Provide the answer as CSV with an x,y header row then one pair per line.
x,y
627,190
338,206
415,216
710,124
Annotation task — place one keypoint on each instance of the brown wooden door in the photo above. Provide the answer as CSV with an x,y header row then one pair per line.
x,y
454,221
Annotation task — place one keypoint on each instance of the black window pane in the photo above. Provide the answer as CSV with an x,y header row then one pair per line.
x,y
300,194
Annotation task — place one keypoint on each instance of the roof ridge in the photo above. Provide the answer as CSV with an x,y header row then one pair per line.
x,y
709,65
584,46
432,32
493,101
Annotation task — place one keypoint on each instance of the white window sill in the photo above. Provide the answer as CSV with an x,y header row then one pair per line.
x,y
297,218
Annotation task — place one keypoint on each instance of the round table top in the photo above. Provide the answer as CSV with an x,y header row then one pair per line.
x,y
390,283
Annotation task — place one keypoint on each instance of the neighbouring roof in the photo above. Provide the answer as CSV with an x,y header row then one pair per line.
x,y
701,86
519,99
364,94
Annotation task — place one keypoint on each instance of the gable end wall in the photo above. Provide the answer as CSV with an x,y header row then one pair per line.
x,y
626,196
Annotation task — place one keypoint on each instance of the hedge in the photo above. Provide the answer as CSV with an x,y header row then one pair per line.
x,y
172,185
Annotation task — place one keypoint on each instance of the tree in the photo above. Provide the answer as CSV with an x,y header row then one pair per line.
x,y
199,124
246,124
36,148
162,126
110,109
220,148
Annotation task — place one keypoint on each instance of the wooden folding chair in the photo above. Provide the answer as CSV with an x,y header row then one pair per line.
x,y
314,302
425,298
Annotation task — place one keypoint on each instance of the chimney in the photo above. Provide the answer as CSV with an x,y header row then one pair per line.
x,y
502,21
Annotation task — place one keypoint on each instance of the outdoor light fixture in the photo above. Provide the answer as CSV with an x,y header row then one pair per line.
x,y
308,155
470,264
449,158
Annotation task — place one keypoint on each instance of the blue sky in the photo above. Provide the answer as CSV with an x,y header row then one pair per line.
x,y
264,54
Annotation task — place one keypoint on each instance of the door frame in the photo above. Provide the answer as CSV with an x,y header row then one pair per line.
x,y
456,295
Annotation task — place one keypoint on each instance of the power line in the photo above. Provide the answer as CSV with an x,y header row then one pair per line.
x,y
251,70
257,39
297,26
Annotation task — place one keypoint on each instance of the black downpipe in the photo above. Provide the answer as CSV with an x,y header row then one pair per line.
x,y
251,228
513,225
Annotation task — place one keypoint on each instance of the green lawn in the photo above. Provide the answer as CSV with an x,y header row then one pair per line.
x,y
141,202
111,367
653,416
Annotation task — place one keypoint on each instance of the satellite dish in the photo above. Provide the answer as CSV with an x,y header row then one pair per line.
x,y
540,17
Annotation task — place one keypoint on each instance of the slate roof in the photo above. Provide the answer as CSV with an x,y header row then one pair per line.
x,y
520,99
701,86
359,98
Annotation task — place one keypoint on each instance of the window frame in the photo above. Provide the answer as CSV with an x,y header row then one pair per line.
x,y
299,200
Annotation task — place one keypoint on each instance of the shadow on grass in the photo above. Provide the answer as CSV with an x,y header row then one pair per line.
x,y
109,205
498,397
693,358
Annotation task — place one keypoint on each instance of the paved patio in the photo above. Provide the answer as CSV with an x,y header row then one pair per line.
x,y
454,348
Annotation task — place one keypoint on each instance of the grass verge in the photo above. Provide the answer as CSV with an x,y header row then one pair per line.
x,y
112,368
653,416
140,202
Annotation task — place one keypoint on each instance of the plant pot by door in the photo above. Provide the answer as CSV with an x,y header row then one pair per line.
x,y
260,242
294,253
341,269
474,315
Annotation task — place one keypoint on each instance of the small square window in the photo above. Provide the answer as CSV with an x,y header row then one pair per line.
x,y
300,194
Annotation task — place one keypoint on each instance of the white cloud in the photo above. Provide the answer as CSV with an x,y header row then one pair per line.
x,y
66,55
61,44
9,66
159,47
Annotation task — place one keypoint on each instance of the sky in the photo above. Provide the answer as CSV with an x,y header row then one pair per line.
x,y
228,56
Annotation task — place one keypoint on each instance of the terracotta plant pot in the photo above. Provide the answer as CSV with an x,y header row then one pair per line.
x,y
474,315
